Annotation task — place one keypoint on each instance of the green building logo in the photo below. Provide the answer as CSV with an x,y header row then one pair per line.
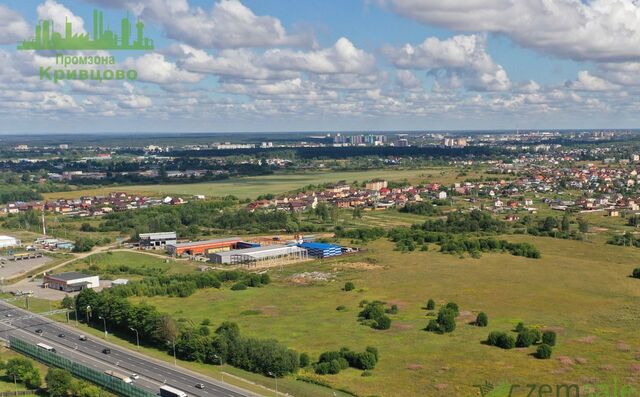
x,y
48,39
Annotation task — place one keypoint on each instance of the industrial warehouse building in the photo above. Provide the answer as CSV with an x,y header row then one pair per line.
x,y
204,247
8,242
157,240
256,256
70,282
321,250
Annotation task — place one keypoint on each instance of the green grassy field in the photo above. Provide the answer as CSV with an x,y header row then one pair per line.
x,y
105,262
581,289
251,187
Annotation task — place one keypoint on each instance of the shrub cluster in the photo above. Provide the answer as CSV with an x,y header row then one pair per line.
x,y
526,337
446,320
332,362
373,315
361,233
636,273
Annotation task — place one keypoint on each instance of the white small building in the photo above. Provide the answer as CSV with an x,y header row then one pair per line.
x,y
8,242
70,281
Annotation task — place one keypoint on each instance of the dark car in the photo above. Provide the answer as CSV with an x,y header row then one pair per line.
x,y
106,350
200,386
38,331
61,335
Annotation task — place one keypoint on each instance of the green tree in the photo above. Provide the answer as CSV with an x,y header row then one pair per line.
x,y
446,319
349,286
431,304
549,338
482,320
636,273
565,225
24,371
505,341
544,351
304,360
59,382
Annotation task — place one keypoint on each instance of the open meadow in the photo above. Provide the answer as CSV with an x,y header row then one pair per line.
x,y
580,289
251,187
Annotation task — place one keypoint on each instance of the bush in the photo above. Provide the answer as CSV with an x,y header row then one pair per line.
x,y
432,326
431,304
349,286
520,327
505,341
392,310
334,367
239,286
365,360
636,273
453,307
525,338
322,368
544,351
304,360
492,339
549,338
482,320
341,308
383,322
366,373
447,319
374,351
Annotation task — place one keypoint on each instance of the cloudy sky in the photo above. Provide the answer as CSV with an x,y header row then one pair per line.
x,y
291,65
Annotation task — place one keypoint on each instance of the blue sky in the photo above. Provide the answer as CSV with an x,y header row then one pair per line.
x,y
291,65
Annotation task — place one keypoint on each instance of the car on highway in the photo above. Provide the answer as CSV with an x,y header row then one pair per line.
x,y
39,331
106,350
135,376
82,338
61,335
200,386
8,315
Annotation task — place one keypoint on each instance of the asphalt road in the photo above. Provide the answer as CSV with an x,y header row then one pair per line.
x,y
153,373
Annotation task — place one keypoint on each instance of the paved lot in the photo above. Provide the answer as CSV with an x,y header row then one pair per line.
x,y
13,268
35,285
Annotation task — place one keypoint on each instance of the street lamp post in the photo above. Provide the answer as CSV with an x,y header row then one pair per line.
x,y
104,320
88,313
75,308
137,337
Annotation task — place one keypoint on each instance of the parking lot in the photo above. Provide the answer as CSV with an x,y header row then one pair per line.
x,y
10,268
35,285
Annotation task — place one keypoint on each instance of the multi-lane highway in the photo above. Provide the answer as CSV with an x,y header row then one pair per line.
x,y
153,373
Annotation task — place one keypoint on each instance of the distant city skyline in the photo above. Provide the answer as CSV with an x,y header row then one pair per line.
x,y
303,65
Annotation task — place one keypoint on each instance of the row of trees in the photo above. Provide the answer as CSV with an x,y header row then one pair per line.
x,y
184,285
264,356
363,234
426,208
193,344
488,244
